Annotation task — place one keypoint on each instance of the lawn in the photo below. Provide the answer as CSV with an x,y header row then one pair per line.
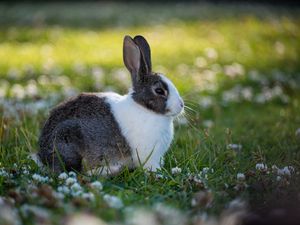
x,y
236,148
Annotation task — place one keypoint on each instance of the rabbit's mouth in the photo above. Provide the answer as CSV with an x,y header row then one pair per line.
x,y
174,103
176,109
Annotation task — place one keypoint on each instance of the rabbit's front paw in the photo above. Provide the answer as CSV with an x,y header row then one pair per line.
x,y
105,171
152,166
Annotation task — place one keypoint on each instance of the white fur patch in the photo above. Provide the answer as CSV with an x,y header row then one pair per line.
x,y
37,160
148,134
174,102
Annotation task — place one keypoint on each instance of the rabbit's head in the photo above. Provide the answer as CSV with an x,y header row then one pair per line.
x,y
151,90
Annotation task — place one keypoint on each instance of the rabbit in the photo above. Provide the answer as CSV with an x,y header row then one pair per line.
x,y
104,132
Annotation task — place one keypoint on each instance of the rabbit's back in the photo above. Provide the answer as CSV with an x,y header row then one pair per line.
x,y
82,128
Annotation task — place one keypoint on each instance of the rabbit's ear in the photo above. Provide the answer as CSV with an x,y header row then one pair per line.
x,y
131,57
146,54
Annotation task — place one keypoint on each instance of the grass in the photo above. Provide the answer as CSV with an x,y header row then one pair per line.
x,y
237,68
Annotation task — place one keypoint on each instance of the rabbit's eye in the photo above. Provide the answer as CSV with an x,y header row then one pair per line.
x,y
159,91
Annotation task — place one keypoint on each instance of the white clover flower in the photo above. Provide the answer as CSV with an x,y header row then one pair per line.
x,y
277,91
76,187
176,170
247,93
292,169
31,88
235,147
63,176
205,170
234,70
72,174
18,91
237,204
3,88
63,189
121,76
25,170
285,171
274,168
70,181
39,212
208,123
230,96
138,216
261,166
77,193
24,167
284,98
88,196
279,47
182,120
1,200
240,177
97,185
4,173
39,178
200,62
197,180
79,67
58,195
97,73
113,201
297,133
159,176
168,215
211,53
260,98
206,102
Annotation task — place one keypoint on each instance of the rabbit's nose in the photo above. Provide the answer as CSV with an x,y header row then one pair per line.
x,y
181,103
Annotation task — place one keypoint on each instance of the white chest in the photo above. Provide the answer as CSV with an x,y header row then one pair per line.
x,y
148,134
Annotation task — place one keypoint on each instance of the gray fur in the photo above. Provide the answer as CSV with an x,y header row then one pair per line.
x,y
145,54
137,59
145,95
81,128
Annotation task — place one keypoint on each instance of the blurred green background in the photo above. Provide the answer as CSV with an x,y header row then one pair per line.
x,y
236,66
190,42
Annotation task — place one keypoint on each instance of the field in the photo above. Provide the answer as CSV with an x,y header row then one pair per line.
x,y
236,149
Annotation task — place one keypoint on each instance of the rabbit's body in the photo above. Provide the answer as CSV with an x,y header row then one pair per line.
x,y
80,129
108,130
148,134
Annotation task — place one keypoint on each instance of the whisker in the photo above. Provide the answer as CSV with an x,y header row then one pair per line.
x,y
191,104
189,116
189,122
193,126
189,100
189,108
189,113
